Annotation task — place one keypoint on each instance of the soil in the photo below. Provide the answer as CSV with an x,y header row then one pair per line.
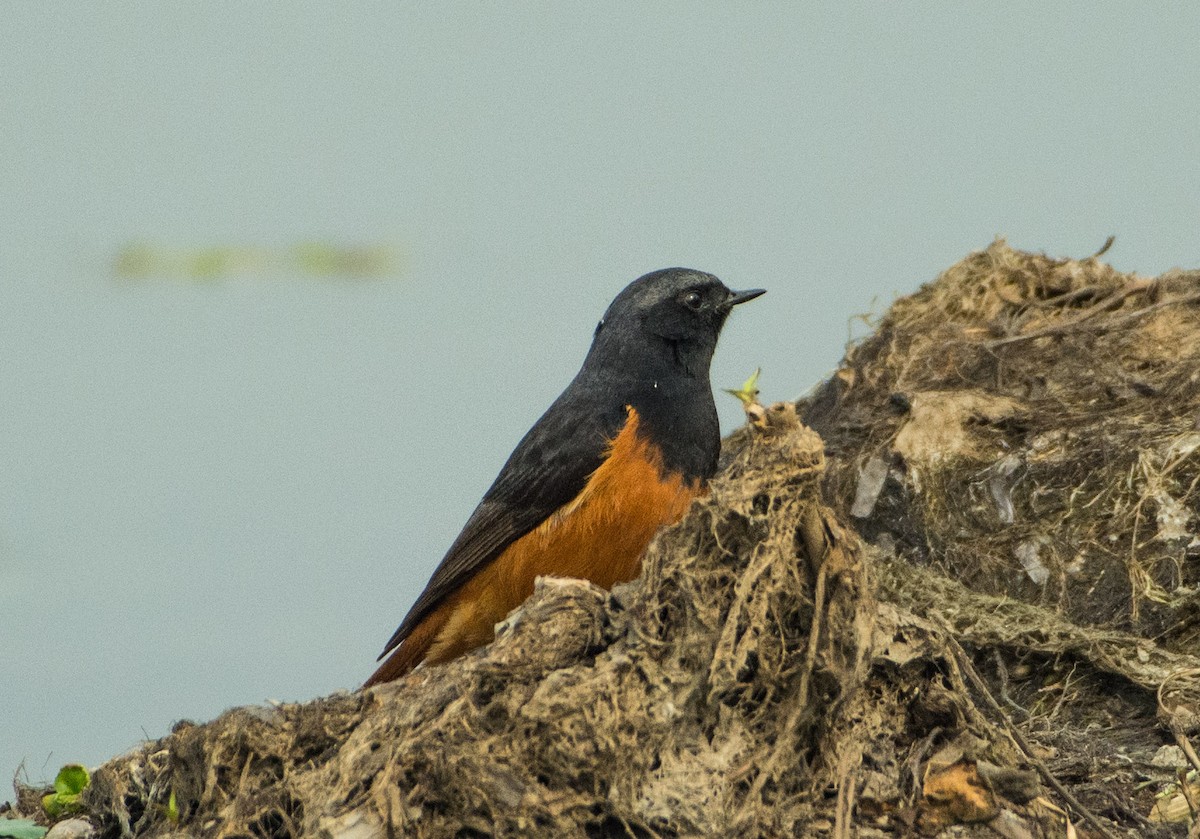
x,y
954,592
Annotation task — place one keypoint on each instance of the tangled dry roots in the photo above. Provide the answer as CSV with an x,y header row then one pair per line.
x,y
1032,427
694,702
1018,443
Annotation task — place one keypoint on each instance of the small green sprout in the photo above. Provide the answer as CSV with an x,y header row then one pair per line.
x,y
747,394
72,780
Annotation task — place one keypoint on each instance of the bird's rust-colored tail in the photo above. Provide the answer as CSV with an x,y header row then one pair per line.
x,y
412,652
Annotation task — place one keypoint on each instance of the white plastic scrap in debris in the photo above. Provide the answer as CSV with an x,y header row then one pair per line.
x,y
1027,553
870,484
1000,486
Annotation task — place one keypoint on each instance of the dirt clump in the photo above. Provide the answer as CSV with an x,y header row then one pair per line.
x,y
969,607
1033,426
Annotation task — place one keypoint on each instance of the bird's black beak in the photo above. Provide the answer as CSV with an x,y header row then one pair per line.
x,y
737,297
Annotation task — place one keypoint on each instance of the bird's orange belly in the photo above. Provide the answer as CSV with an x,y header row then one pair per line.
x,y
600,536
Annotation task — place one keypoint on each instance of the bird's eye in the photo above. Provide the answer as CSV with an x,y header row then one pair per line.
x,y
692,300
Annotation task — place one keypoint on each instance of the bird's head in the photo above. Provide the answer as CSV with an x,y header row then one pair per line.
x,y
676,306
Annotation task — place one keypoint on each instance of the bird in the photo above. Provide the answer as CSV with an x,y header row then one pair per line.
x,y
622,452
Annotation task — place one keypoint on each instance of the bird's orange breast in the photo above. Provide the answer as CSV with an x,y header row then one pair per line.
x,y
598,536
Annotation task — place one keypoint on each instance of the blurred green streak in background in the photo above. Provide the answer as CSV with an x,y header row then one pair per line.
x,y
141,260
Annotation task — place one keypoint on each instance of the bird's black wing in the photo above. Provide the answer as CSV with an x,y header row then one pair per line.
x,y
549,468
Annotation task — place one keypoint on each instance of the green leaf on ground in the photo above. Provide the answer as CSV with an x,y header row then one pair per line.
x,y
69,785
20,829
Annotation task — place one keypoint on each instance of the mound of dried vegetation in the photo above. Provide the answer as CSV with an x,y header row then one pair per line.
x,y
970,607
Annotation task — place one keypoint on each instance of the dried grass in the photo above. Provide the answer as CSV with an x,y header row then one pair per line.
x,y
1018,442
1039,421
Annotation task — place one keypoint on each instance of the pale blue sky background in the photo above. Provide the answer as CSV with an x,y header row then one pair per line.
x,y
215,494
